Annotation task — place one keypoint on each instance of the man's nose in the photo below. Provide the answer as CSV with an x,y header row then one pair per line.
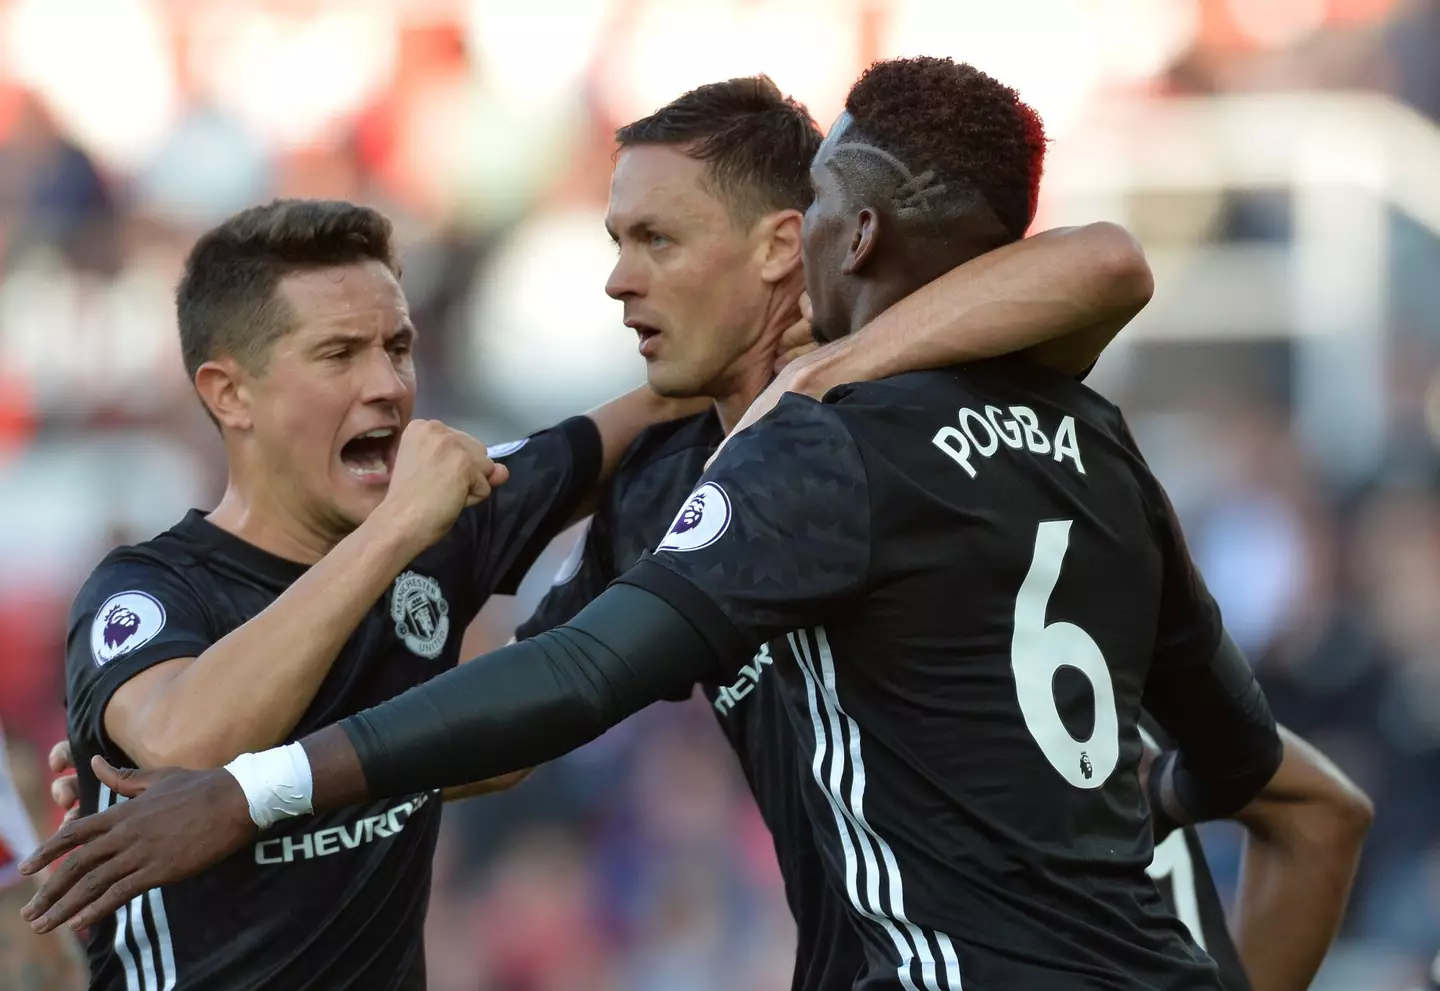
x,y
626,278
382,380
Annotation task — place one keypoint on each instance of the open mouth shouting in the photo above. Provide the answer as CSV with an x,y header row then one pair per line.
x,y
370,456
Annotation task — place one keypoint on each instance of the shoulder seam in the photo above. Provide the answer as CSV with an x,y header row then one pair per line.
x,y
134,555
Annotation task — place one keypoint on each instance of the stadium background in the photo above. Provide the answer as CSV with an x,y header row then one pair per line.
x,y
1280,159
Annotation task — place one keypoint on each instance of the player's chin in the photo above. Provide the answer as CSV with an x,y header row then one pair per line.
x,y
674,380
356,497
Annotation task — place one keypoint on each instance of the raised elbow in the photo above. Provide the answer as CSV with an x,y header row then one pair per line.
x,y
1120,264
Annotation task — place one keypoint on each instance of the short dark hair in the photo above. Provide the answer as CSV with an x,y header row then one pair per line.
x,y
756,142
969,129
226,302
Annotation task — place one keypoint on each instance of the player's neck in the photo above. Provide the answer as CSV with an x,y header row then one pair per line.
x,y
873,299
751,372
256,518
902,271
748,383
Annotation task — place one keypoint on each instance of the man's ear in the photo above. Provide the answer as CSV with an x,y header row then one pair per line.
x,y
862,242
222,385
780,242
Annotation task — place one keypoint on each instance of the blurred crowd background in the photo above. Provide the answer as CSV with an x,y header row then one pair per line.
x,y
1280,160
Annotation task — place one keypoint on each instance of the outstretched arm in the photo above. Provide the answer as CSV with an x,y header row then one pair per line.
x,y
519,706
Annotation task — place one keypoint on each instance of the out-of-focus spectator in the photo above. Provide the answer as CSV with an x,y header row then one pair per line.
x,y
52,194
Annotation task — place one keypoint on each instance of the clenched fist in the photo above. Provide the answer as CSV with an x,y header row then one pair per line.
x,y
438,472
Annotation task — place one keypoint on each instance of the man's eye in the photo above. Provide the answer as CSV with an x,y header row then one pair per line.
x,y
659,240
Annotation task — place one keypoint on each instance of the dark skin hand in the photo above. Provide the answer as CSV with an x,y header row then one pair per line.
x,y
179,823
186,822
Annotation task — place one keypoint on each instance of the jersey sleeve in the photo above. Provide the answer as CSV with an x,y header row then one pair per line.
x,y
1190,625
777,533
582,576
130,616
1203,692
551,475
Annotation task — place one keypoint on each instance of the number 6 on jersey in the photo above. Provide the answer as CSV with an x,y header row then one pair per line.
x,y
1038,651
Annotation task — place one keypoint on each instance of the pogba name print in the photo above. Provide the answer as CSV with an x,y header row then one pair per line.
x,y
981,435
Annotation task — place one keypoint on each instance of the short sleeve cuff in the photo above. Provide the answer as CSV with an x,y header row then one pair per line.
x,y
582,438
588,451
732,647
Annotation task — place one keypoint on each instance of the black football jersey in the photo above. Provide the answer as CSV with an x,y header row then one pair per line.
x,y
656,474
652,483
323,902
973,575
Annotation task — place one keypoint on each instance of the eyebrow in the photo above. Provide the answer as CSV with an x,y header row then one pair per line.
x,y
644,223
404,331
340,337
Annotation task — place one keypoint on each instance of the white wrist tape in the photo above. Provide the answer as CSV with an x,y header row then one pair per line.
x,y
276,782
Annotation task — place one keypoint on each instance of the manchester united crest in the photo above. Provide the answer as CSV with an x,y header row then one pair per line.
x,y
421,614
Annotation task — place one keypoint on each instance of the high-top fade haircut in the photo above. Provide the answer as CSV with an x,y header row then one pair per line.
x,y
940,139
227,301
756,142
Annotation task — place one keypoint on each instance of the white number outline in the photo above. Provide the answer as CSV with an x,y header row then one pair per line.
x,y
1038,650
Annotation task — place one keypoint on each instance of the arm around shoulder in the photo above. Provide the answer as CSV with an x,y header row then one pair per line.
x,y
1059,297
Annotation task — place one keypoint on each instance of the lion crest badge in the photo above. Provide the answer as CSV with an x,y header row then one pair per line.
x,y
421,614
